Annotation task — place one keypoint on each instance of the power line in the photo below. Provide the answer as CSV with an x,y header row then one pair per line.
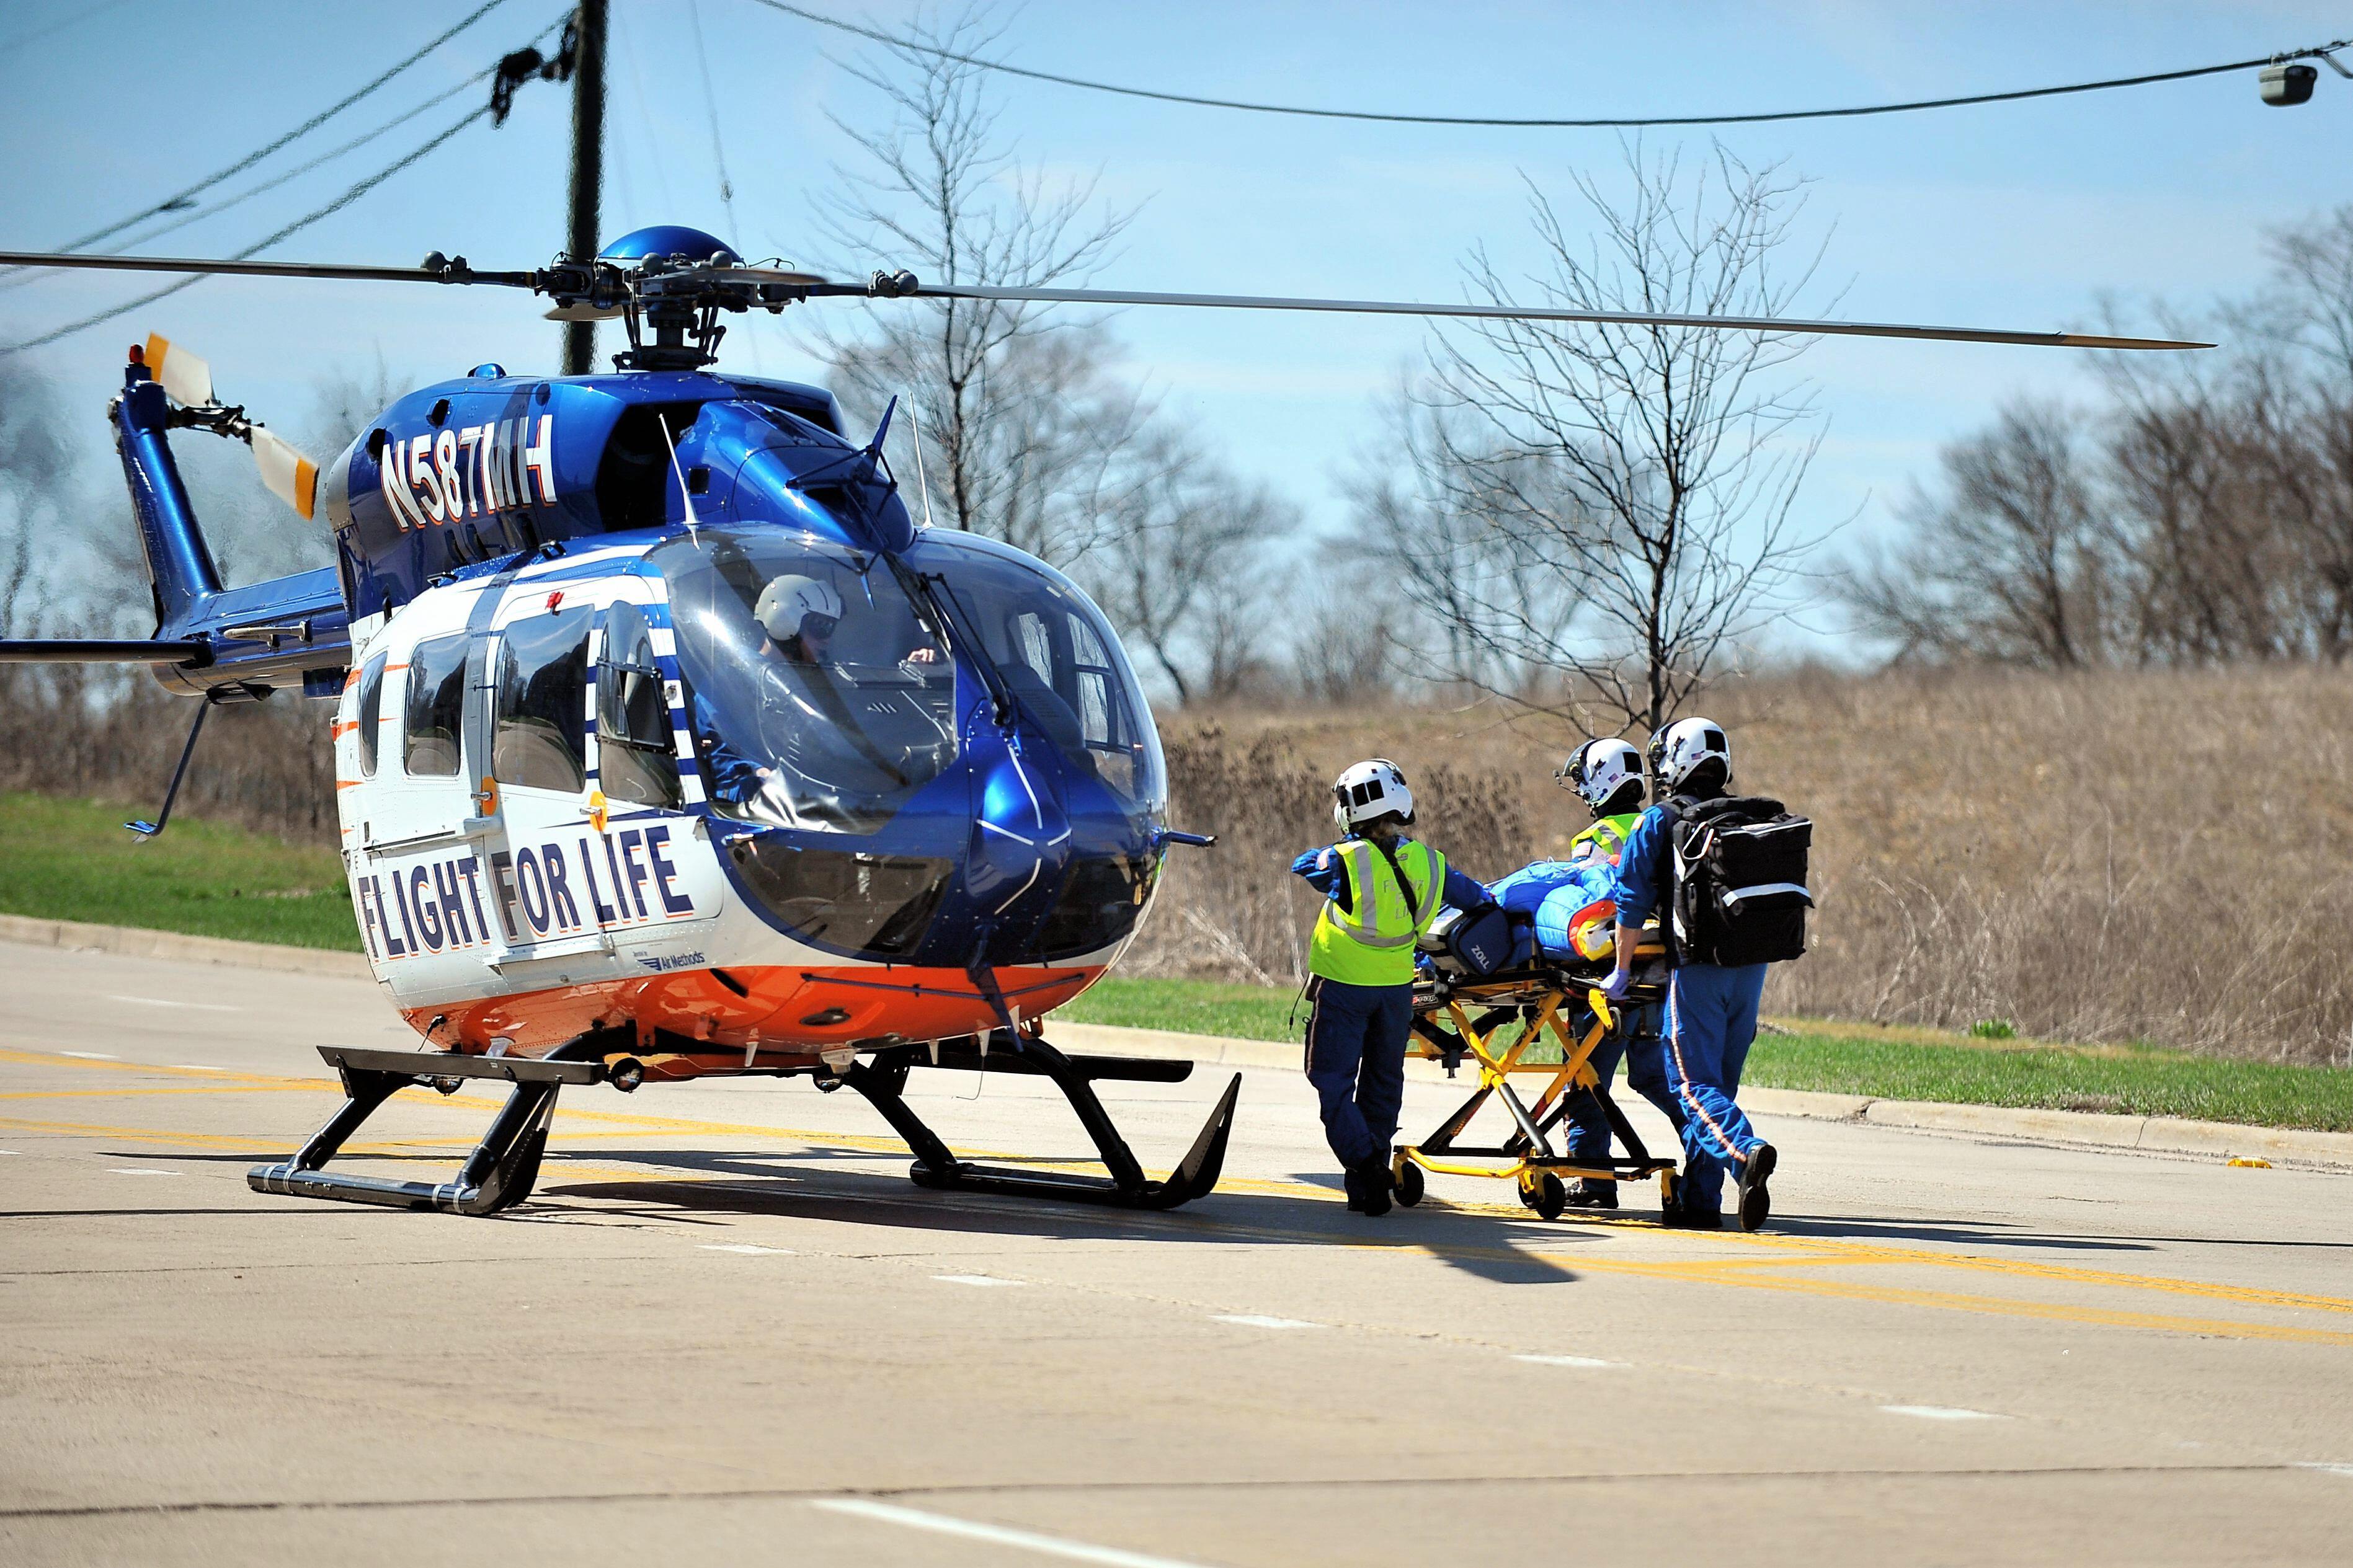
x,y
917,47
172,202
74,13
710,105
719,152
299,224
33,274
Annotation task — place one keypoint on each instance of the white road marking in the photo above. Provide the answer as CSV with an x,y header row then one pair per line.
x,y
194,1007
995,1534
1567,1361
975,1279
747,1248
2324,1466
1941,1413
140,1171
19,1154
1257,1321
91,1055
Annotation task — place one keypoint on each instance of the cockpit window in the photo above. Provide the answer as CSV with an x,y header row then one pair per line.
x,y
818,695
1066,670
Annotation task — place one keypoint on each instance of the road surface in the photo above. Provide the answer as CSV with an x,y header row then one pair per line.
x,y
727,1328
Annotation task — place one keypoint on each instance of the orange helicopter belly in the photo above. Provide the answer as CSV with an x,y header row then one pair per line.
x,y
782,1014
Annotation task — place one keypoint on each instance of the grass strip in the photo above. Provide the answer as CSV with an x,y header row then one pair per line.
x,y
71,860
1882,1063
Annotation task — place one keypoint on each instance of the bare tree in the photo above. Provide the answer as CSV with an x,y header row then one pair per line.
x,y
1014,406
1347,647
1189,576
2205,514
1593,517
2010,560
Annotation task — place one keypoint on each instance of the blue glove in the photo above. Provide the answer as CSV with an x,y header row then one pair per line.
x,y
1620,982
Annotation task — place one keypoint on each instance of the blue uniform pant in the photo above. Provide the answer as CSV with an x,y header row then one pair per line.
x,y
1710,1023
1355,1058
1644,1052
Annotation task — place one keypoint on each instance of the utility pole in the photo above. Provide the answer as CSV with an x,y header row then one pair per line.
x,y
587,170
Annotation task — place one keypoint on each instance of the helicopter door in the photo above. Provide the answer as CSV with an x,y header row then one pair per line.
x,y
534,715
581,866
662,878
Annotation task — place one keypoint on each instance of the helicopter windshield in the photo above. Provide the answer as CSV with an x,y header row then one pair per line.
x,y
1061,664
819,697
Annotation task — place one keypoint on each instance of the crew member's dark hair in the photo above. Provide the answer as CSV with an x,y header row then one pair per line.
x,y
1627,797
1709,777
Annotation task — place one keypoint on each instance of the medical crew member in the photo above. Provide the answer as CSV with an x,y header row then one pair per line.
x,y
1382,890
1711,1008
1608,776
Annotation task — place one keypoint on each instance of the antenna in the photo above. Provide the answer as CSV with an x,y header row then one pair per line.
x,y
685,495
922,483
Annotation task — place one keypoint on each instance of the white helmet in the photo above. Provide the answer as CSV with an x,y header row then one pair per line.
x,y
1370,789
1686,746
789,600
1598,770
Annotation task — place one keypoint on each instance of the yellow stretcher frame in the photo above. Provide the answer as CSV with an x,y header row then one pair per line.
x,y
1539,997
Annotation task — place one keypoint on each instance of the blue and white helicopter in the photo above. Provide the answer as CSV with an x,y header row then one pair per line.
x,y
667,745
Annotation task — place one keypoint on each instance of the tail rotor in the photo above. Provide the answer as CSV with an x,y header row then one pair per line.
x,y
286,472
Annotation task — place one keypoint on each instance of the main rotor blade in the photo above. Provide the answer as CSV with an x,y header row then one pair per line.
x,y
331,270
1545,313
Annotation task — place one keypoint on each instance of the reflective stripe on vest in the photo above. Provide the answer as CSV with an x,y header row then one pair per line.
x,y
1380,917
1608,835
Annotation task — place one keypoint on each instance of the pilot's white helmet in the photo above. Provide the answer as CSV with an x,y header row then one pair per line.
x,y
787,601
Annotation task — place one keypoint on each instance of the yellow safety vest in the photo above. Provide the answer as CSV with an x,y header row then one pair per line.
x,y
1371,942
1607,835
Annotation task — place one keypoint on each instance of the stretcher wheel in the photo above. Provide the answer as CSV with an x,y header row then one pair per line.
x,y
1545,1194
1409,1184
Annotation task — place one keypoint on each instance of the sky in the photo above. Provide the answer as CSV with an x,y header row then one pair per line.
x,y
2026,215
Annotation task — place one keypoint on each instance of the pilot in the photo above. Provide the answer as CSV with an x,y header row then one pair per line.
x,y
799,615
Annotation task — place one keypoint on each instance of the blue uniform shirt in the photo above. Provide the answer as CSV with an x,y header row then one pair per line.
x,y
1645,867
734,777
1321,869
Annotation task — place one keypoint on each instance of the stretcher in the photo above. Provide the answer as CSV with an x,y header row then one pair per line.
x,y
1470,1015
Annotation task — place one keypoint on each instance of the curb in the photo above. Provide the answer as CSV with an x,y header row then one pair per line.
x,y
135,941
2170,1135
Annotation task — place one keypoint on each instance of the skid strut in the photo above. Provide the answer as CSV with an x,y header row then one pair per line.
x,y
497,1175
883,1081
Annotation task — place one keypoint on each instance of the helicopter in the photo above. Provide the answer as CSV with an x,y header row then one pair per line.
x,y
667,744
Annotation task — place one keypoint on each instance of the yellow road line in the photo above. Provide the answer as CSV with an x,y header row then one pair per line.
x,y
126,1093
1990,1306
1802,1252
48,1060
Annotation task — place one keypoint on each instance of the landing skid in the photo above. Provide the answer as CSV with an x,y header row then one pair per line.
x,y
501,1170
497,1175
883,1081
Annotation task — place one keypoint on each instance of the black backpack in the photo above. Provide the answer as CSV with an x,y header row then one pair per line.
x,y
1740,894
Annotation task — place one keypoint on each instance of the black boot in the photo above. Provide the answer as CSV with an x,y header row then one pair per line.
x,y
1588,1193
1368,1189
1755,1203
